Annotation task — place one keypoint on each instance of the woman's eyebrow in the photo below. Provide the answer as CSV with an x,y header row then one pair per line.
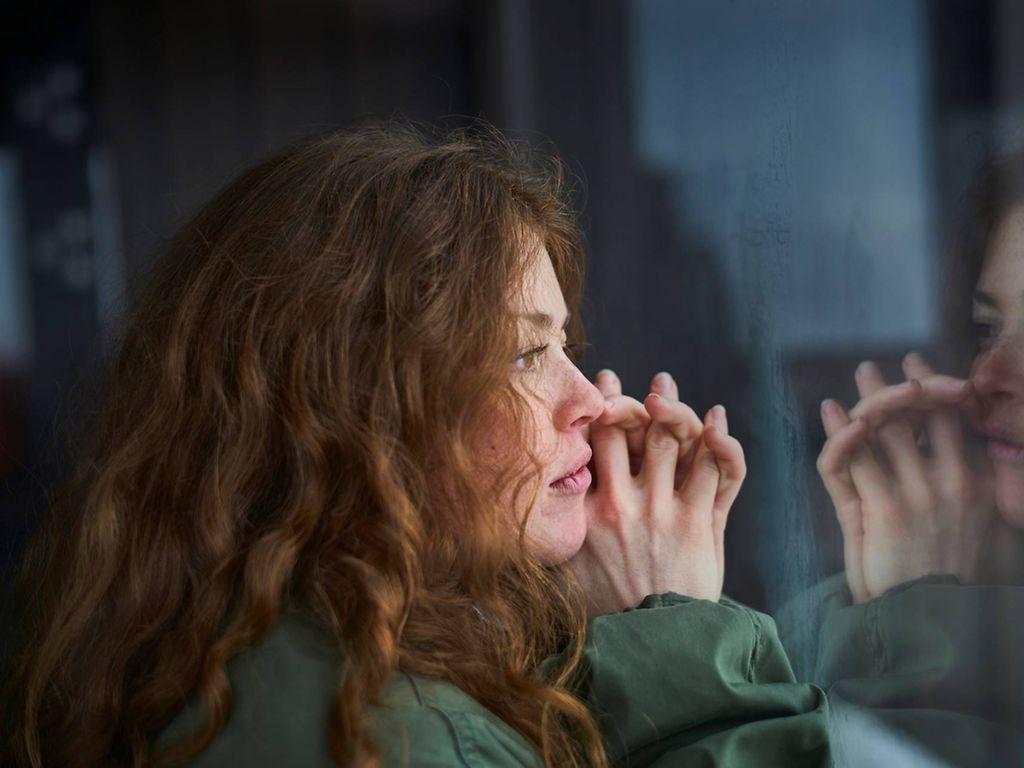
x,y
544,320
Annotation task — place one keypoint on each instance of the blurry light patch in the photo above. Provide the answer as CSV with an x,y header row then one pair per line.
x,y
15,333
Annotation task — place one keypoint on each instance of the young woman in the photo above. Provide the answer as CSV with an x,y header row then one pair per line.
x,y
337,507
926,628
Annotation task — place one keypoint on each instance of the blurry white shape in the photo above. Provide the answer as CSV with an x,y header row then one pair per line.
x,y
862,740
64,250
15,343
106,242
53,98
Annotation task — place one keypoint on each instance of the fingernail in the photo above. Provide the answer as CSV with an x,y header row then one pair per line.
x,y
606,372
719,418
826,406
654,394
864,367
609,403
663,376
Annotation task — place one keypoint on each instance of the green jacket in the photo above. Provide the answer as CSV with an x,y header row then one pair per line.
x,y
675,681
929,673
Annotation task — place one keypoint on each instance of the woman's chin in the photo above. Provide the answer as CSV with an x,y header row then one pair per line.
x,y
558,531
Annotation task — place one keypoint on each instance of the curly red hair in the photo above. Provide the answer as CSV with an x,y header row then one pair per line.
x,y
308,356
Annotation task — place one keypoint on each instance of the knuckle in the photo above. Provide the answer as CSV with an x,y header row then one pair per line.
x,y
660,439
824,463
741,456
708,468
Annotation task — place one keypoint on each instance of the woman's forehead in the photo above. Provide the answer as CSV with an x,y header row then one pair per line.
x,y
1002,273
541,293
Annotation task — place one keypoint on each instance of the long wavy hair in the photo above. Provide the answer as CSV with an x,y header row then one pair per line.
x,y
289,413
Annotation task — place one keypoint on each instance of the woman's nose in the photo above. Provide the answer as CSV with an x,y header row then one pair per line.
x,y
998,372
583,404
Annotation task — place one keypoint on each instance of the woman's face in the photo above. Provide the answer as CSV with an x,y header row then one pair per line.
x,y
564,402
998,369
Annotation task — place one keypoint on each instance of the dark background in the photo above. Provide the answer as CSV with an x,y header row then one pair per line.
x,y
119,119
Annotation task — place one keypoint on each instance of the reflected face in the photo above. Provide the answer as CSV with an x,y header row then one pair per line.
x,y
564,402
998,369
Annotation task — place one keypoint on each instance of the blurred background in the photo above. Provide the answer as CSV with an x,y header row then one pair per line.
x,y
770,189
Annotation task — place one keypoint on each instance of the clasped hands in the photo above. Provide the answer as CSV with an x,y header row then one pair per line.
x,y
664,481
910,499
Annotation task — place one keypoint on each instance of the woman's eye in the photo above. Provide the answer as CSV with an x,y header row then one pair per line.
x,y
525,361
983,332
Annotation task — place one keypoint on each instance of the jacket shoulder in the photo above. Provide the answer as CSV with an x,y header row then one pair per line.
x,y
283,691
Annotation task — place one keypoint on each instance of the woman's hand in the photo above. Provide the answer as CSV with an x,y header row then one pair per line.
x,y
631,416
646,536
895,467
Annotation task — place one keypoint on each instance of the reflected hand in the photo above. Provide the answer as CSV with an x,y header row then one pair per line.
x,y
644,535
895,467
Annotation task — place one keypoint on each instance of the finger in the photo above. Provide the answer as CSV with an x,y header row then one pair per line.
x,y
933,392
868,378
665,385
721,419
661,450
876,395
844,437
698,491
631,419
896,438
679,418
869,479
611,457
880,405
625,413
608,382
944,430
732,469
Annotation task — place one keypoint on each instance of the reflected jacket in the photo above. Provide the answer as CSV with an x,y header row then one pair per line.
x,y
673,682
931,673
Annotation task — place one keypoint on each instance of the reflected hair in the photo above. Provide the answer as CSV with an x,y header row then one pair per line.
x,y
996,188
288,417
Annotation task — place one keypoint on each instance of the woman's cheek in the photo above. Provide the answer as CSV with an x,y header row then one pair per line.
x,y
1009,483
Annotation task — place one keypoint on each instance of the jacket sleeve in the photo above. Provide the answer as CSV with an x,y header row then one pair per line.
x,y
933,662
679,681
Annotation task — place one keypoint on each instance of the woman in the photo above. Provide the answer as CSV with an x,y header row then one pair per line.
x,y
337,505
926,627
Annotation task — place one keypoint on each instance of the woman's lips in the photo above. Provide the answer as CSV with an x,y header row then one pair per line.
x,y
574,483
1001,450
1002,445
